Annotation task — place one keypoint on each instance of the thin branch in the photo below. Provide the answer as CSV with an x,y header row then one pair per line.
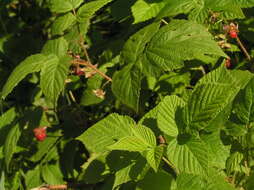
x,y
243,48
88,64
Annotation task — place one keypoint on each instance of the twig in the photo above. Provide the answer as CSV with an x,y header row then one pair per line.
x,y
243,48
61,187
88,64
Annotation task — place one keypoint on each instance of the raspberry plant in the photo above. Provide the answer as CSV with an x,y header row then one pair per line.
x,y
144,94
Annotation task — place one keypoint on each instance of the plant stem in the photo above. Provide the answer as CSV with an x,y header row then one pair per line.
x,y
170,165
88,64
165,22
243,48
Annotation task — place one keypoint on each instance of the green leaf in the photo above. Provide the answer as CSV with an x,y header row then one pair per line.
x,y
33,178
11,144
143,10
31,64
126,85
154,157
132,169
135,45
244,104
57,46
178,41
217,181
142,139
62,23
130,143
45,146
53,76
60,6
106,132
233,163
190,157
218,152
2,181
173,8
8,117
160,180
168,111
189,182
86,12
208,99
52,174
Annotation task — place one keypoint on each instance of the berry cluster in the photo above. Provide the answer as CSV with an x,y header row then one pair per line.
x,y
40,133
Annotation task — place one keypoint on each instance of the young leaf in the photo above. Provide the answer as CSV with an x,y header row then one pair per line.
x,y
126,85
167,114
11,143
178,41
189,157
53,76
31,64
60,6
62,23
143,10
57,46
106,132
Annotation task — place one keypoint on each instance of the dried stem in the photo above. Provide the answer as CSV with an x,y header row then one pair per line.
x,y
88,64
243,48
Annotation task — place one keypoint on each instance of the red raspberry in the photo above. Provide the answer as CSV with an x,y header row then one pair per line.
x,y
40,133
78,71
233,34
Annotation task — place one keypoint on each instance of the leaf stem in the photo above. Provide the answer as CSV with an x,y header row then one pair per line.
x,y
170,165
243,48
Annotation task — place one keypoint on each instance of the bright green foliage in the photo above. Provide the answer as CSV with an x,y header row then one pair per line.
x,y
143,10
11,143
189,157
62,23
168,110
180,40
106,132
34,63
86,11
53,76
58,47
244,104
59,6
126,85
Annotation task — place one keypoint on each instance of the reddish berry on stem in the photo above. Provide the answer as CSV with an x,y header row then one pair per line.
x,y
40,133
233,34
79,72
